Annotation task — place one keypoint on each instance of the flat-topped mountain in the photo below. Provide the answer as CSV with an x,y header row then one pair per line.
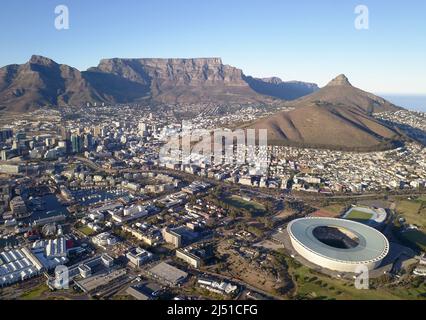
x,y
184,80
193,72
339,116
43,82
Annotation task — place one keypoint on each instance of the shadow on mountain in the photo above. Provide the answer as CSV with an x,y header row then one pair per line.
x,y
110,85
52,79
386,145
410,132
279,89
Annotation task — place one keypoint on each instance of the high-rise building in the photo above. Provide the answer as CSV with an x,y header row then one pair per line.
x,y
142,127
97,131
8,154
20,136
76,144
5,134
88,142
65,133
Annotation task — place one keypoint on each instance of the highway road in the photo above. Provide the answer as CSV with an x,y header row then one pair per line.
x,y
277,194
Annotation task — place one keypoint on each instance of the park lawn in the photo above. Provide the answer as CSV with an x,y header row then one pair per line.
x,y
313,285
422,198
359,215
410,209
408,206
423,216
35,292
411,293
418,237
239,202
335,208
316,286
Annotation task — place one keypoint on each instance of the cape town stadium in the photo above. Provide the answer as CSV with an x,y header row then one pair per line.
x,y
338,244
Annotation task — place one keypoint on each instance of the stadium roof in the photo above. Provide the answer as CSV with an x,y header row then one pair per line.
x,y
372,245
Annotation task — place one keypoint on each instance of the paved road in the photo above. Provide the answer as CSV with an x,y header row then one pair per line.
x,y
254,190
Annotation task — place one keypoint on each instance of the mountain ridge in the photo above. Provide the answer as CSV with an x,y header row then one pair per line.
x,y
277,88
43,82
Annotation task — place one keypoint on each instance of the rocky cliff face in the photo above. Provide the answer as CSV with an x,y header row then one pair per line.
x,y
191,72
184,80
43,82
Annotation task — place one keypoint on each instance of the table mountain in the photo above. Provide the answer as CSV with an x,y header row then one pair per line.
x,y
184,81
43,82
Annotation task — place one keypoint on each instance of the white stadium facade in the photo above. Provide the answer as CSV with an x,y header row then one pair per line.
x,y
338,244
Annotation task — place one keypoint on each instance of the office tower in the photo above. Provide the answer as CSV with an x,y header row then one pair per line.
x,y
76,144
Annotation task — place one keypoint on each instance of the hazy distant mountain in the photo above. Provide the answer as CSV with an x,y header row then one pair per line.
x,y
339,116
43,82
277,88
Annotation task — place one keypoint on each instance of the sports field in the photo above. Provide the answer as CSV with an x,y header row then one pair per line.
x,y
359,215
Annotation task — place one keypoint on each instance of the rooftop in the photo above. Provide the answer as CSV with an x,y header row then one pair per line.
x,y
366,243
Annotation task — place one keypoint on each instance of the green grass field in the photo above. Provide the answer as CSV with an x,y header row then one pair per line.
x,y
335,208
422,198
315,286
35,293
239,202
359,215
312,285
416,236
413,212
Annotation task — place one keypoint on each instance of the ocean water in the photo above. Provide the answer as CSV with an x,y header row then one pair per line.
x,y
410,102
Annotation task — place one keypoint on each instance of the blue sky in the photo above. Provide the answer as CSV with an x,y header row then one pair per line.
x,y
305,40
